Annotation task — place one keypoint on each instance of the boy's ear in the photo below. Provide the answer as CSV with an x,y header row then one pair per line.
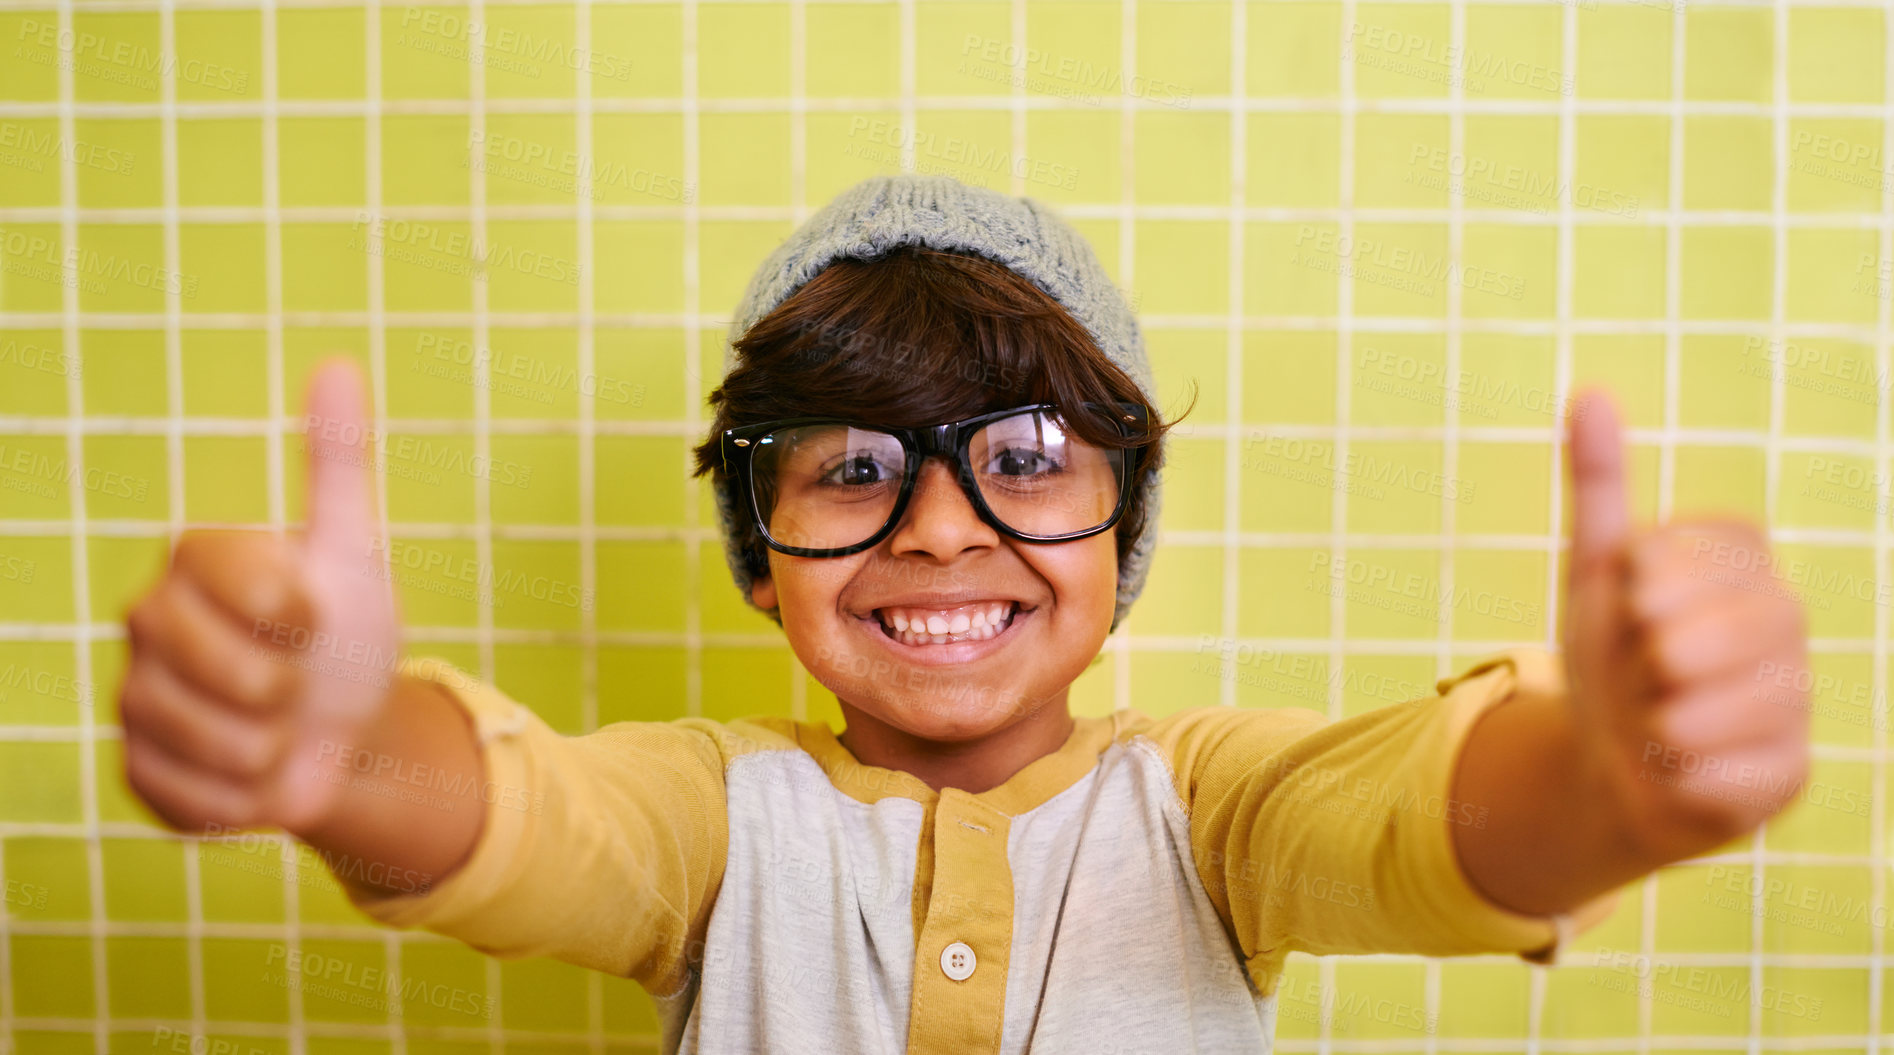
x,y
763,592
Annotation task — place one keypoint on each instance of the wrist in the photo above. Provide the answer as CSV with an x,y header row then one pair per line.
x,y
1618,818
339,760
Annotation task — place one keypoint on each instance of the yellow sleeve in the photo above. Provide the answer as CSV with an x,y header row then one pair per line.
x,y
1337,837
603,850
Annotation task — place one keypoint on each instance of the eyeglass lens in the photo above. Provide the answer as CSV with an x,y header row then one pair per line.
x,y
833,486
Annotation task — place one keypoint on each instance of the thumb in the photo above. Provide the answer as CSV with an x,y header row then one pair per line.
x,y
1601,513
340,510
1595,584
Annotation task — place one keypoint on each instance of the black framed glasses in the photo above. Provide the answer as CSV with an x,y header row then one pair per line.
x,y
829,487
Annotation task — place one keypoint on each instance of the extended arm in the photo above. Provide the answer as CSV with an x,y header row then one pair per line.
x,y
1338,837
413,798
1682,729
266,689
1552,839
1504,811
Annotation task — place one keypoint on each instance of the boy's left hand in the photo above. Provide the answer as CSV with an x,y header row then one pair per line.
x,y
1683,647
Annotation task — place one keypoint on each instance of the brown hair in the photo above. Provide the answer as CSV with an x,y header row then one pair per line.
x,y
914,337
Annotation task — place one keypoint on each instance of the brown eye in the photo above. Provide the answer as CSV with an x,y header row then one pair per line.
x,y
1024,461
860,470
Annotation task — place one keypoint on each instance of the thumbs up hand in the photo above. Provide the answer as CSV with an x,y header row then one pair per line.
x,y
257,660
1669,637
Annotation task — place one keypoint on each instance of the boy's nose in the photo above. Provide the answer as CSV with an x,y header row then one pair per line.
x,y
940,519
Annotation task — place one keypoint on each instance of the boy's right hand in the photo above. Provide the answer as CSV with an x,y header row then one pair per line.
x,y
259,661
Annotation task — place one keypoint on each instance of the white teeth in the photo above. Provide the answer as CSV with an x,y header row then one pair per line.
x,y
968,623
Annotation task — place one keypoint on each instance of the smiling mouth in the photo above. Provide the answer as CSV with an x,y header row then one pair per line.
x,y
967,622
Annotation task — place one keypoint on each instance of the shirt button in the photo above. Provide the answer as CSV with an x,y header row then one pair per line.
x,y
957,961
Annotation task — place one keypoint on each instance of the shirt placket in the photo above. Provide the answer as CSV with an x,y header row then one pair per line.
x,y
965,942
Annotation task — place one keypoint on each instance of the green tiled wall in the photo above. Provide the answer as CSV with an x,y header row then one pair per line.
x,y
1383,238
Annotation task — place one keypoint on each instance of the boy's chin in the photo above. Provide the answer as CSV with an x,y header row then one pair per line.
x,y
948,720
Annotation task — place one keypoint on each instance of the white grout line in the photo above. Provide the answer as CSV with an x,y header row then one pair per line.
x,y
937,102
148,425
1772,465
588,367
1450,452
1368,324
82,593
588,443
174,432
1016,97
81,557
482,338
908,101
1232,550
799,206
275,448
1561,383
251,214
1344,375
273,273
1878,799
693,344
1338,496
1669,433
1124,212
393,942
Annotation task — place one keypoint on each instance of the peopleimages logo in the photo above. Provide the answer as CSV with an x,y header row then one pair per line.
x,y
1717,991
436,248
516,374
529,49
1504,183
1067,76
530,161
1402,267
346,981
452,786
1429,58
23,895
412,457
41,257
953,150
18,677
23,147
122,61
29,356
428,561
34,473
17,569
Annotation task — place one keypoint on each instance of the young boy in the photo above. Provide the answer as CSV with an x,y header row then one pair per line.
x,y
936,455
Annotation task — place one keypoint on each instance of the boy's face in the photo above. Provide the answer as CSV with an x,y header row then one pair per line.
x,y
942,556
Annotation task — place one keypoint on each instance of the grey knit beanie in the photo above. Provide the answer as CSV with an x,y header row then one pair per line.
x,y
939,212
